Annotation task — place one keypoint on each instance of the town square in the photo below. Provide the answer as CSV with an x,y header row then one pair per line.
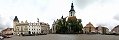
x,y
66,37
59,20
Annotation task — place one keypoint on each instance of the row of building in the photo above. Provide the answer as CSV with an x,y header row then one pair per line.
x,y
89,28
27,28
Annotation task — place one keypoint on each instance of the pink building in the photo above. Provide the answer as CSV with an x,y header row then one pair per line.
x,y
7,31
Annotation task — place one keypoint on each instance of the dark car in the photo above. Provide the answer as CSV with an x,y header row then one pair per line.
x,y
6,36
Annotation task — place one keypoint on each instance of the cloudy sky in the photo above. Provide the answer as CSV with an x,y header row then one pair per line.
x,y
98,12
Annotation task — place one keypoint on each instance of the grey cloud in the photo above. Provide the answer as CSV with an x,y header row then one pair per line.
x,y
83,3
7,24
116,17
101,24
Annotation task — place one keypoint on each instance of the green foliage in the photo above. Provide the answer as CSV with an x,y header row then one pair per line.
x,y
69,26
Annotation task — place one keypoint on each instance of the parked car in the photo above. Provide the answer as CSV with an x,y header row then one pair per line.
x,y
1,38
6,36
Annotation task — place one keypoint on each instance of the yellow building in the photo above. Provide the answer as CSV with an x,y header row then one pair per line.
x,y
89,28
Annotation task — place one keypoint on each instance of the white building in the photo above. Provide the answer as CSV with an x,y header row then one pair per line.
x,y
115,29
34,28
25,28
53,27
102,30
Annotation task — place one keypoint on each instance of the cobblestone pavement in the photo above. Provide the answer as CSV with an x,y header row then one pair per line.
x,y
65,37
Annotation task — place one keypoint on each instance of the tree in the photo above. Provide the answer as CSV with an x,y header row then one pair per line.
x,y
75,25
61,26
72,25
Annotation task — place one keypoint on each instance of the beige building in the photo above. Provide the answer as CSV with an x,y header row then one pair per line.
x,y
8,31
44,28
89,28
25,28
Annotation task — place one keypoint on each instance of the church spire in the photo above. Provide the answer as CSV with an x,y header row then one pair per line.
x,y
72,11
72,7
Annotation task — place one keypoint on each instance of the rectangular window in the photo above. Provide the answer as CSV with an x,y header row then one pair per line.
x,y
18,29
32,23
36,23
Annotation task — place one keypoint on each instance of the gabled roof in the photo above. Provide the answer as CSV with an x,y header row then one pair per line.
x,y
89,25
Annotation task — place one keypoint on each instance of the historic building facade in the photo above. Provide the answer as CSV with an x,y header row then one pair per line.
x,y
25,28
89,28
44,28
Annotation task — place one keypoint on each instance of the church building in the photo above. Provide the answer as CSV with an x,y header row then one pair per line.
x,y
69,24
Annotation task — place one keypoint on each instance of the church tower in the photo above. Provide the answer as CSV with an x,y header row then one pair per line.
x,y
15,19
15,22
72,11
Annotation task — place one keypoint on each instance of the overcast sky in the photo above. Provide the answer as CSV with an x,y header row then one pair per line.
x,y
98,12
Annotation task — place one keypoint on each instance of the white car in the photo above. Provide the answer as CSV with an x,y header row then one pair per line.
x,y
1,38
